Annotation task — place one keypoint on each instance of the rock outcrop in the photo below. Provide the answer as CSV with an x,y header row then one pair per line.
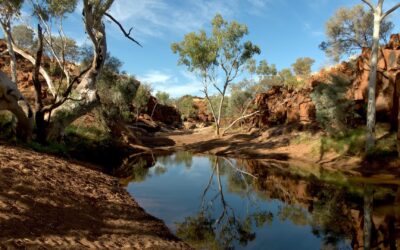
x,y
281,105
163,113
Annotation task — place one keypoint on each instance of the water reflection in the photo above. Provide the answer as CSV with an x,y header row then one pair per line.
x,y
220,203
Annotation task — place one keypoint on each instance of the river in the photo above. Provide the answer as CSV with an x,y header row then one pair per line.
x,y
221,203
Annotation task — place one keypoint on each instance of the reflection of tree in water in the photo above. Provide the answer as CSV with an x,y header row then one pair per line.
x,y
331,216
136,168
335,210
178,158
217,226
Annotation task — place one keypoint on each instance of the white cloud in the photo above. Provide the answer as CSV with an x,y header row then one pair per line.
x,y
155,77
184,83
157,18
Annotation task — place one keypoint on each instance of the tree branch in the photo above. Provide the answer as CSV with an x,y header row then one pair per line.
x,y
369,3
42,71
390,11
127,34
55,105
238,119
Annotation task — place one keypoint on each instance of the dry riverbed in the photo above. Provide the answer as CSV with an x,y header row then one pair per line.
x,y
47,202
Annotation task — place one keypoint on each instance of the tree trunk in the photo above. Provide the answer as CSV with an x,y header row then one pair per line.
x,y
368,223
371,112
84,98
13,60
12,100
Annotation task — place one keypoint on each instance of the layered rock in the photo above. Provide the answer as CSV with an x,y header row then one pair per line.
x,y
163,113
281,105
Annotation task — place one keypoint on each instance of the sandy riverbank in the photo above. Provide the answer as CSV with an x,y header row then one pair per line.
x,y
48,202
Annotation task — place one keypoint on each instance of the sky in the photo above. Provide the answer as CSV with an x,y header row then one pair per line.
x,y
284,30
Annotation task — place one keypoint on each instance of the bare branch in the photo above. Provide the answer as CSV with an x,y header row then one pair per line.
x,y
390,11
127,34
42,71
239,170
65,95
239,119
369,3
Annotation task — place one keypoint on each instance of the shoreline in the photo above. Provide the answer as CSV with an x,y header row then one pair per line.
x,y
49,202
274,147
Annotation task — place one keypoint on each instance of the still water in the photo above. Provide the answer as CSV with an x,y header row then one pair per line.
x,y
221,203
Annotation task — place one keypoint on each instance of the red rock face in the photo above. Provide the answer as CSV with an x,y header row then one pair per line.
x,y
388,71
280,105
163,113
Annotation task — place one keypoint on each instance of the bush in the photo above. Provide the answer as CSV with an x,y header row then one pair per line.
x,y
7,125
116,100
334,112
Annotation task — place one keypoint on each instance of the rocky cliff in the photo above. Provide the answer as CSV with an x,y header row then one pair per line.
x,y
281,105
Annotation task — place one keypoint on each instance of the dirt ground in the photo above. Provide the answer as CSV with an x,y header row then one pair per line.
x,y
273,144
47,203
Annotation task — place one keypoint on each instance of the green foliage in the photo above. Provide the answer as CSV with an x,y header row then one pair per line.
x,y
7,125
116,92
351,142
89,133
9,8
197,51
351,29
186,106
265,70
287,79
50,148
241,95
47,9
334,112
116,98
223,51
198,231
65,48
163,98
23,36
302,66
142,97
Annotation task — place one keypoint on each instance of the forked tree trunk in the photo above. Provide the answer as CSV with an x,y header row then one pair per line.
x,y
84,98
12,100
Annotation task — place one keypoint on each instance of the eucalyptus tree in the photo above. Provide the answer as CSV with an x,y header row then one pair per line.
x,y
350,30
221,52
23,36
80,95
8,10
379,18
302,66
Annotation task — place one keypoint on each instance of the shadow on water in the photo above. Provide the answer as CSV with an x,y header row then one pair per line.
x,y
221,203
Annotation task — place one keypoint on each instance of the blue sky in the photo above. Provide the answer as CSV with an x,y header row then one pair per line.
x,y
284,30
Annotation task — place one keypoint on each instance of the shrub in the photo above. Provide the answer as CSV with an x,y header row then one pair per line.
x,y
334,112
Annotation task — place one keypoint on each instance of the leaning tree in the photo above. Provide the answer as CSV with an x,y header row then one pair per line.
x,y
79,96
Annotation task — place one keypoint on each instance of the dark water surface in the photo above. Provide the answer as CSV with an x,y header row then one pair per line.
x,y
222,203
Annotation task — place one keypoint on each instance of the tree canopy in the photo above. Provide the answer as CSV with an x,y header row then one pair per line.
x,y
351,29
